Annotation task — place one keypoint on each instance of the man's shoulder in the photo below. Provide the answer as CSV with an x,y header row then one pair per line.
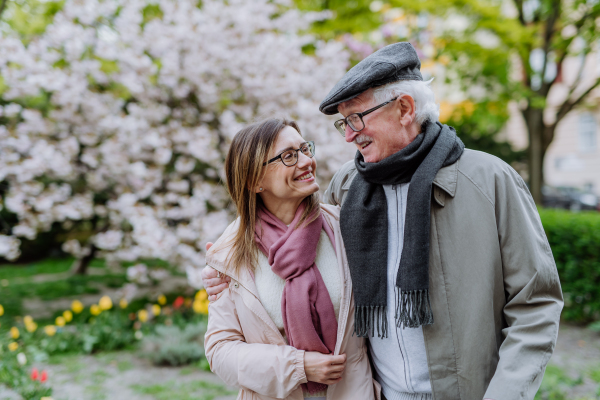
x,y
488,173
217,254
478,164
340,183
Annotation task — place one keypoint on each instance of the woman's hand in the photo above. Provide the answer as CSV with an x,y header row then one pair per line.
x,y
212,281
323,368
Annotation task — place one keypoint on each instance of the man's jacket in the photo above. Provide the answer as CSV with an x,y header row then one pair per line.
x,y
493,283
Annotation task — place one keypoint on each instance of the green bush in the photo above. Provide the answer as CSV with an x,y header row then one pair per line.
x,y
556,384
173,345
575,242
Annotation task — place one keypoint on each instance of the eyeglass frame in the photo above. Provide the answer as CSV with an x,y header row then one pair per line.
x,y
360,116
310,143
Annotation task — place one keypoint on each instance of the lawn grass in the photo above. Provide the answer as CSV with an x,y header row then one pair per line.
x,y
556,384
195,390
45,266
595,374
17,282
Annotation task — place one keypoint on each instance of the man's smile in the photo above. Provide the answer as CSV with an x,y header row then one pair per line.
x,y
363,141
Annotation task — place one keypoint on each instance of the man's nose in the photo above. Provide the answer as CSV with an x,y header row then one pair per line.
x,y
349,134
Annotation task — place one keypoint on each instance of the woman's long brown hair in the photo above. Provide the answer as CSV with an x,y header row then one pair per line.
x,y
244,170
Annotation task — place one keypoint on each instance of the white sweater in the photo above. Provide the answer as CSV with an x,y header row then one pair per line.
x,y
270,285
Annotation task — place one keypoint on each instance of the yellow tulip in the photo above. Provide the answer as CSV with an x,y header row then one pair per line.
x,y
60,321
105,303
14,332
201,295
46,398
27,319
95,309
162,300
123,303
1,310
76,306
12,346
201,306
155,309
68,315
143,315
31,327
50,330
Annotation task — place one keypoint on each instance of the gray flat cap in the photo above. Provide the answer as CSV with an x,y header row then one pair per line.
x,y
395,62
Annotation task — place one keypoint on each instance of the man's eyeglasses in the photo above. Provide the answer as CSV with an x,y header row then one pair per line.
x,y
289,158
355,121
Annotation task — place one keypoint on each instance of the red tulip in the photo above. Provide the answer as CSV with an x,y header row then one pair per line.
x,y
44,376
34,374
178,302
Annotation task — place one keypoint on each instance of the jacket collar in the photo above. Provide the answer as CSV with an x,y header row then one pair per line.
x,y
446,178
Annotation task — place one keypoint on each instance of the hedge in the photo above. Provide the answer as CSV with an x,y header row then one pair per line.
x,y
575,242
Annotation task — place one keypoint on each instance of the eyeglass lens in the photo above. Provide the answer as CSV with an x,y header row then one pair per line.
x,y
354,121
290,157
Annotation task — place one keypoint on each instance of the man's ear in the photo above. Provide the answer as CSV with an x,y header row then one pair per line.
x,y
406,104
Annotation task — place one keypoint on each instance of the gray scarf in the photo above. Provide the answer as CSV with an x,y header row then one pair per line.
x,y
364,230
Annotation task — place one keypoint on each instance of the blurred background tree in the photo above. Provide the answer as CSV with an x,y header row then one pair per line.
x,y
493,52
115,117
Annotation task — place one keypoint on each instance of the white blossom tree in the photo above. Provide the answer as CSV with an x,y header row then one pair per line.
x,y
115,121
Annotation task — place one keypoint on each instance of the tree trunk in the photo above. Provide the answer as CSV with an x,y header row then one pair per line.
x,y
81,264
534,118
2,7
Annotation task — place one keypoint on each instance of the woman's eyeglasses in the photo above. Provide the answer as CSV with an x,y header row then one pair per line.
x,y
289,158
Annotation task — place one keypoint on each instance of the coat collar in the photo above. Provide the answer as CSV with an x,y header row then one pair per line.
x,y
445,183
446,178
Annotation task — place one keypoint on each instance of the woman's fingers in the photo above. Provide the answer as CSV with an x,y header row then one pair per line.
x,y
208,272
332,381
214,290
340,359
335,369
213,282
324,368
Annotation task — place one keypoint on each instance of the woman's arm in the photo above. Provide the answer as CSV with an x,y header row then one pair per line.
x,y
267,369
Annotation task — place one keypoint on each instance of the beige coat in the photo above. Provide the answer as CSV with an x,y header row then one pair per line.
x,y
245,348
493,283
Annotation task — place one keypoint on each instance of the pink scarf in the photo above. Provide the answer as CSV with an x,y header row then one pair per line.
x,y
308,317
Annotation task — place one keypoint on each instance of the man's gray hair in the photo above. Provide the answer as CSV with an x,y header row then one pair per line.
x,y
420,91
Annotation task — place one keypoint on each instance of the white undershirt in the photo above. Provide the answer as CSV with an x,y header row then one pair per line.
x,y
270,286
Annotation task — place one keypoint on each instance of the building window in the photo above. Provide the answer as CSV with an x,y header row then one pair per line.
x,y
587,133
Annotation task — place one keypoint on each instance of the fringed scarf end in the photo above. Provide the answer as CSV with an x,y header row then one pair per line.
x,y
366,318
413,308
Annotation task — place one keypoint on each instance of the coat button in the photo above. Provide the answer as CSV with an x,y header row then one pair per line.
x,y
236,285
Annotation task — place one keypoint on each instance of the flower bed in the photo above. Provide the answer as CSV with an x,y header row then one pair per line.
x,y
101,327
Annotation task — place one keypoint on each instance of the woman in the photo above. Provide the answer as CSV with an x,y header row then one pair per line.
x,y
283,328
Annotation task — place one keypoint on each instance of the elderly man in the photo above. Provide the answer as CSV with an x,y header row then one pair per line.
x,y
454,281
